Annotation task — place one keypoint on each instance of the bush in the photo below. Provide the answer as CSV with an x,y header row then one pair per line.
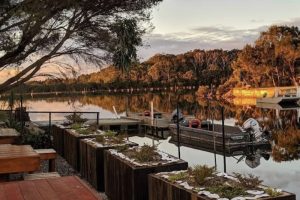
x,y
37,141
76,118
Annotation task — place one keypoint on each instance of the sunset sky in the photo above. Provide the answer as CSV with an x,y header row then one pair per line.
x,y
184,25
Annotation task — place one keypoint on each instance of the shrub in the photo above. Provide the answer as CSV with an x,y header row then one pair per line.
x,y
227,191
75,118
110,133
178,177
272,192
76,126
145,153
250,182
37,141
201,172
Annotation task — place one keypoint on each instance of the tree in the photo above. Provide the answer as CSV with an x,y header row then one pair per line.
x,y
129,36
34,32
272,61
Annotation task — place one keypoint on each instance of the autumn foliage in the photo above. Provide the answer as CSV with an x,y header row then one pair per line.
x,y
273,60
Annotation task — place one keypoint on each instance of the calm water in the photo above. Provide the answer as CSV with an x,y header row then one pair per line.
x,y
281,169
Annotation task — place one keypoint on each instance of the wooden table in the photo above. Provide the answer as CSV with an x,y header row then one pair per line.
x,y
18,159
62,188
9,136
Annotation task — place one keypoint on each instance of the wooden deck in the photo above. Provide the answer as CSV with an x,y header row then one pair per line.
x,y
123,124
63,188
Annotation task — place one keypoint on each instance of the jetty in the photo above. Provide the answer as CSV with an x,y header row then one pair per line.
x,y
157,127
123,124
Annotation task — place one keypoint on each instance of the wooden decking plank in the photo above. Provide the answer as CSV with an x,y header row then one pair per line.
x,y
63,188
45,189
12,191
2,193
63,191
76,189
29,191
79,189
89,193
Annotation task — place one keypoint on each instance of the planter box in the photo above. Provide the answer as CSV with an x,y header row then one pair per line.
x,y
92,161
162,189
126,181
58,132
72,147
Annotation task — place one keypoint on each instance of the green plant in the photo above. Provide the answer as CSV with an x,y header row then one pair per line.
x,y
76,118
100,138
117,139
38,140
250,182
110,133
227,191
178,177
76,126
272,192
201,172
93,127
84,131
145,153
122,148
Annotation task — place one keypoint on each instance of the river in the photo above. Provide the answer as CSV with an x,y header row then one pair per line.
x,y
277,168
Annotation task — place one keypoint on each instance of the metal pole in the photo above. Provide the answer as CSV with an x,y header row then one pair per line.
x,y
50,123
21,113
74,117
223,133
178,131
97,122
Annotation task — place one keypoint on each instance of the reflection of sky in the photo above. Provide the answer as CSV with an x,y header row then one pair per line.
x,y
284,175
43,105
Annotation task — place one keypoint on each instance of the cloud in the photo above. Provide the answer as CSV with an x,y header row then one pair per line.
x,y
199,38
217,37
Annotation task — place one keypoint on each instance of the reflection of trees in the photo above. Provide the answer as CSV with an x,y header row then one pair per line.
x,y
286,145
272,120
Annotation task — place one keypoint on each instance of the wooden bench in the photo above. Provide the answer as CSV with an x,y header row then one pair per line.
x,y
9,136
18,159
48,154
37,176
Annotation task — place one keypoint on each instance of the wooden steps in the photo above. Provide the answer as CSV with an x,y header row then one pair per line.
x,y
37,176
48,154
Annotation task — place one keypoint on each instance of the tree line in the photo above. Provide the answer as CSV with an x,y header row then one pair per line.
x,y
198,67
273,60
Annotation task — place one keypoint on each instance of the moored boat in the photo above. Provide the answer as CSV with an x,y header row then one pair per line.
x,y
211,134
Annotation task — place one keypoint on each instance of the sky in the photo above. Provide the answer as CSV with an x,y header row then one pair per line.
x,y
184,25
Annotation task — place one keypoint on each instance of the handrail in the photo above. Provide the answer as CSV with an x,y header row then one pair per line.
x,y
58,112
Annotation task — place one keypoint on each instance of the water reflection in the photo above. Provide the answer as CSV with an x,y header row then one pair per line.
x,y
277,163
